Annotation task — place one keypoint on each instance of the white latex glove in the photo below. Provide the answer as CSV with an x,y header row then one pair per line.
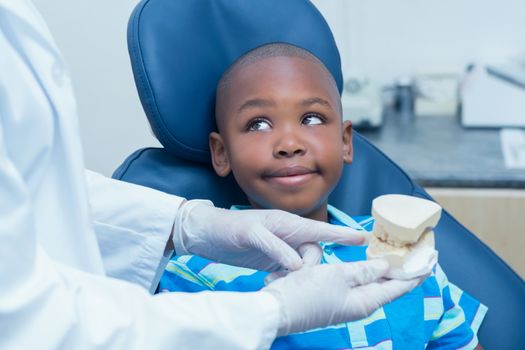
x,y
323,295
261,239
311,254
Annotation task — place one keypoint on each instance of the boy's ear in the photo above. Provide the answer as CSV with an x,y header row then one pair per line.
x,y
348,150
219,157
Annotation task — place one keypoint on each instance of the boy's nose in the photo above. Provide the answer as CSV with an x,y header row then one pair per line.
x,y
289,146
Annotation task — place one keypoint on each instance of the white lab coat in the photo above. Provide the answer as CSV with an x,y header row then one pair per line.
x,y
56,250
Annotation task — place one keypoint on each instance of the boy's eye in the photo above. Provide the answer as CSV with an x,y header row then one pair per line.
x,y
259,124
312,119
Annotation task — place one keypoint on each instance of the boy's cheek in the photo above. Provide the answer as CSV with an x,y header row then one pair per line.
x,y
252,158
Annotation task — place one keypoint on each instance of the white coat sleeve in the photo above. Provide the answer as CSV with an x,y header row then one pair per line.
x,y
133,224
46,305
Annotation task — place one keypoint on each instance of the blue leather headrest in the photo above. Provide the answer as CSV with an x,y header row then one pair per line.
x,y
179,49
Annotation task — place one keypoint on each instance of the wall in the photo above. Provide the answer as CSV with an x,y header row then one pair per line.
x,y
92,37
386,38
378,38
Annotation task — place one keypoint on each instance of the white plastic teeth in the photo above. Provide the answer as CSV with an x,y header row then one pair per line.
x,y
403,234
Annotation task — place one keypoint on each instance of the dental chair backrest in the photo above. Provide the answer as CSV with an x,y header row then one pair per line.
x,y
179,49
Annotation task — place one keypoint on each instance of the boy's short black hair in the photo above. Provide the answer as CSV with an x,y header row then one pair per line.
x,y
267,51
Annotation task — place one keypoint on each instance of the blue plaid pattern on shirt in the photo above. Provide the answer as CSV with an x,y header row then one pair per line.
x,y
437,314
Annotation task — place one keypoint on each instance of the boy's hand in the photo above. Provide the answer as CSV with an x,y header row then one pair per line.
x,y
261,239
342,293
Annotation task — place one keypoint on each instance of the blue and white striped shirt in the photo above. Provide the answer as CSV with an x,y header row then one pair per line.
x,y
436,314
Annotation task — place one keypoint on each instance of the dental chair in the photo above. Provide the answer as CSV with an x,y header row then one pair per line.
x,y
178,51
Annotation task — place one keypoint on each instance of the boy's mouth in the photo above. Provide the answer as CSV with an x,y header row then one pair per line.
x,y
291,176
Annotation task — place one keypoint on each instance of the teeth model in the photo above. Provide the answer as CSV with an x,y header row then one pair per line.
x,y
403,234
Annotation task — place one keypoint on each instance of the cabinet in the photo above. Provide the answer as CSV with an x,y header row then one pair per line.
x,y
496,216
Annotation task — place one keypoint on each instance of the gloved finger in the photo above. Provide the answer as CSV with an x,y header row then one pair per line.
x,y
275,276
377,294
419,264
325,232
364,272
298,230
311,253
275,248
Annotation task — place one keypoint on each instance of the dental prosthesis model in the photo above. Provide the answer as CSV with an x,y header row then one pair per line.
x,y
403,234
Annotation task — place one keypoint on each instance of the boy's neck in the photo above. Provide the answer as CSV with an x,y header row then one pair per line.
x,y
321,214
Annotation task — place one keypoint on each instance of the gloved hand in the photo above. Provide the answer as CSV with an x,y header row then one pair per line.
x,y
323,295
311,254
261,239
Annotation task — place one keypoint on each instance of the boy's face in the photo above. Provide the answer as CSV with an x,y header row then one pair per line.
x,y
281,134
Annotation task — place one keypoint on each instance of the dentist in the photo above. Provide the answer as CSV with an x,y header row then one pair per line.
x,y
78,251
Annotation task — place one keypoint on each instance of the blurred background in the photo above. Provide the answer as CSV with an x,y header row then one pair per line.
x,y
439,86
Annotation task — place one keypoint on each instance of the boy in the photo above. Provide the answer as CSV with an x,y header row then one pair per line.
x,y
278,113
